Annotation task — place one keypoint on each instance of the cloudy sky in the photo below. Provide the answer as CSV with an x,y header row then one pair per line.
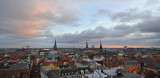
x,y
135,23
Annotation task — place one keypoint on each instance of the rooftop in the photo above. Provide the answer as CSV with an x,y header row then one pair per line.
x,y
19,66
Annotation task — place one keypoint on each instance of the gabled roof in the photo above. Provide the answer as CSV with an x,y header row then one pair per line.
x,y
147,62
59,62
14,56
130,62
45,70
19,66
121,58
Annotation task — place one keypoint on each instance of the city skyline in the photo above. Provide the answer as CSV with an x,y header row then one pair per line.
x,y
73,22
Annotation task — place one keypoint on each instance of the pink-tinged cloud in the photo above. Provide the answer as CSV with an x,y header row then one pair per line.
x,y
32,25
32,17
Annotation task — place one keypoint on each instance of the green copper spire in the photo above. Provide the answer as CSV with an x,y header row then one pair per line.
x,y
29,58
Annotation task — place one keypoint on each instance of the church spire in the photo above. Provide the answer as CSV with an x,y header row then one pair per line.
x,y
100,45
86,44
55,45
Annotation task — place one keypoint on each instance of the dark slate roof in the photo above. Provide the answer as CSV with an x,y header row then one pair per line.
x,y
147,62
4,67
56,73
83,62
1,64
53,73
46,70
3,73
53,55
130,62
19,66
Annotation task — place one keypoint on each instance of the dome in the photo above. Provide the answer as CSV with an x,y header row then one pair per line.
x,y
120,54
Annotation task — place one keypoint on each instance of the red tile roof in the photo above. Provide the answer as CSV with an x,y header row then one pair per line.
x,y
65,58
138,71
151,66
15,60
23,55
149,74
120,58
14,55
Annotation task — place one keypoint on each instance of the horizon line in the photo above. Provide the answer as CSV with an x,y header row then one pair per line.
x,y
97,47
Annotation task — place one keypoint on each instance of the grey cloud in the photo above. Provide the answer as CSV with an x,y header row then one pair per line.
x,y
67,18
99,32
25,21
16,9
19,41
151,25
118,36
95,34
28,18
63,17
14,15
152,2
103,12
126,15
121,34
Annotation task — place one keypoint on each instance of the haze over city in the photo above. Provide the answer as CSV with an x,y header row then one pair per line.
x,y
134,23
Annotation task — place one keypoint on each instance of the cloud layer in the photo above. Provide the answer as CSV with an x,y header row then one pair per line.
x,y
36,23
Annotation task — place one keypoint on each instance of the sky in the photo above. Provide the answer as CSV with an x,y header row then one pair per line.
x,y
134,23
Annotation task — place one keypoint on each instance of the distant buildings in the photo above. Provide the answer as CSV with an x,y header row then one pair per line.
x,y
93,46
125,47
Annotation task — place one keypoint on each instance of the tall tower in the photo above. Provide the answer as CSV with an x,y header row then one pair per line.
x,y
92,46
55,45
86,44
100,47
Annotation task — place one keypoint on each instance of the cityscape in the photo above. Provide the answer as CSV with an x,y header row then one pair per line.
x,y
80,39
88,62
